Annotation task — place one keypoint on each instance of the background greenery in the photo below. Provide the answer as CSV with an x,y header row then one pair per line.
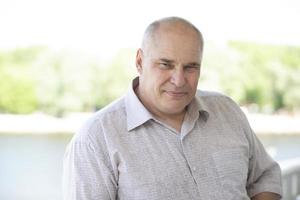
x,y
263,77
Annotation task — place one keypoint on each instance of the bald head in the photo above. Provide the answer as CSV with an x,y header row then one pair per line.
x,y
169,24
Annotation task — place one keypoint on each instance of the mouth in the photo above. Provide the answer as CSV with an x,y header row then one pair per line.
x,y
176,94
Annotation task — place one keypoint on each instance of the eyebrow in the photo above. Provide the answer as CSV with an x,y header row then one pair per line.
x,y
166,60
195,64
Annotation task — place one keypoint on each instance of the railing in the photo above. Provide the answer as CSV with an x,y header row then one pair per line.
x,y
291,179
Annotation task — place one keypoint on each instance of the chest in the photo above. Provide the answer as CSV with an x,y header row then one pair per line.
x,y
208,163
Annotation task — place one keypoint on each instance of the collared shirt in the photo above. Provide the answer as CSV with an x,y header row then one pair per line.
x,y
124,153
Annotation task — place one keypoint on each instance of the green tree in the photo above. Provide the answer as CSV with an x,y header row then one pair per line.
x,y
17,89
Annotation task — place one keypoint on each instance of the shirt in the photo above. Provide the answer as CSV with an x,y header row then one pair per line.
x,y
123,152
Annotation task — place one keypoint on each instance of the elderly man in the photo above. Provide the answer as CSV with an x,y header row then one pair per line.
x,y
165,140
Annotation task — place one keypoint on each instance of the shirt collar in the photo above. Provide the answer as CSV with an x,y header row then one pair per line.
x,y
195,110
201,106
137,114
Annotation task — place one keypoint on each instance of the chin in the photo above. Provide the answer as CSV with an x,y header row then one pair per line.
x,y
174,109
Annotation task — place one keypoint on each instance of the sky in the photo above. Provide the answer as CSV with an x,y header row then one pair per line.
x,y
105,26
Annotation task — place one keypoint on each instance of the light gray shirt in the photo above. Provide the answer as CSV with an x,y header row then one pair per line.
x,y
123,152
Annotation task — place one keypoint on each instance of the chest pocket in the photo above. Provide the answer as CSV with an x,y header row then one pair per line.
x,y
232,170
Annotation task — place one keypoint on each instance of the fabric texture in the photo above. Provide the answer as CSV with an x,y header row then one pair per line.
x,y
123,152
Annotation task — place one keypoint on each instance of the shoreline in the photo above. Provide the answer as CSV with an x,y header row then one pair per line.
x,y
42,124
274,124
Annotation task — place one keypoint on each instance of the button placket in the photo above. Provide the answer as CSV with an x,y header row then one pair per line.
x,y
189,162
194,168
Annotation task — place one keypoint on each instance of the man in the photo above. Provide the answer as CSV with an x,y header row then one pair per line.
x,y
161,141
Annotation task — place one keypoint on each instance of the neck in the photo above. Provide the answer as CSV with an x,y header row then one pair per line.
x,y
175,120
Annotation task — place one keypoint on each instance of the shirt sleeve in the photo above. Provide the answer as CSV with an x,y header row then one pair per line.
x,y
87,173
264,173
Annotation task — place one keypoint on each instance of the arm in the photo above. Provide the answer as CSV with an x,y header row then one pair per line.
x,y
266,196
264,174
264,177
87,174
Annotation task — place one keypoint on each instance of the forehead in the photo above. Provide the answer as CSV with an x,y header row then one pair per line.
x,y
176,43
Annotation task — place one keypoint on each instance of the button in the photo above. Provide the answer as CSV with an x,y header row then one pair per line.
x,y
194,168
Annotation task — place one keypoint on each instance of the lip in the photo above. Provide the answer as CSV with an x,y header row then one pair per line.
x,y
176,94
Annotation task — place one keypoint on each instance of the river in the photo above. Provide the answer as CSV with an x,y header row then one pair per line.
x,y
31,165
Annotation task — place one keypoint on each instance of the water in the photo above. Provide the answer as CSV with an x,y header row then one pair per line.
x,y
281,147
31,166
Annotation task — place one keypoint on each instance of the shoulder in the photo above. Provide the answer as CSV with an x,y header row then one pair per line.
x,y
206,93
112,110
212,98
224,110
217,103
111,115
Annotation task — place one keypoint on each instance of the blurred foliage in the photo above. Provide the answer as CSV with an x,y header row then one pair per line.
x,y
58,82
17,88
264,75
272,74
75,82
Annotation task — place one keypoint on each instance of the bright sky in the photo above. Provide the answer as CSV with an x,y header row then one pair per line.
x,y
109,25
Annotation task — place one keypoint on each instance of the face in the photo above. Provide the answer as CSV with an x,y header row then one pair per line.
x,y
169,69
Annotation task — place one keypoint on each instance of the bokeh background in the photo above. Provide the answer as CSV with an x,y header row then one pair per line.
x,y
62,60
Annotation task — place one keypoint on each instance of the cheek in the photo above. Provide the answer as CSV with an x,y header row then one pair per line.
x,y
159,78
193,82
153,85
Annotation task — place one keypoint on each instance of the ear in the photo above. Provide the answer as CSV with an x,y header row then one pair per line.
x,y
139,60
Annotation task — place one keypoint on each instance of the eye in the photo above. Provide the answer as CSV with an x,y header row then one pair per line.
x,y
165,65
191,68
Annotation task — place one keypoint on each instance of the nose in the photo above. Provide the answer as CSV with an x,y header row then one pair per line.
x,y
178,78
